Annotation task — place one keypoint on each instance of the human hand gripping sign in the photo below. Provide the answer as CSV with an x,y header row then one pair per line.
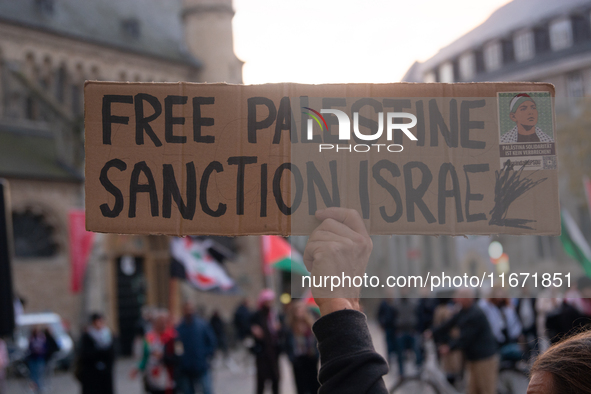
x,y
339,246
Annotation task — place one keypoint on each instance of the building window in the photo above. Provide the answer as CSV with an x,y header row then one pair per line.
x,y
467,66
479,60
60,84
561,34
30,108
446,72
524,45
429,77
131,27
575,86
45,6
493,56
76,97
580,28
33,236
508,51
542,39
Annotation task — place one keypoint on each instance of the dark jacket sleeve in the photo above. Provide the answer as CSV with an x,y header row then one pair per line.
x,y
348,362
441,332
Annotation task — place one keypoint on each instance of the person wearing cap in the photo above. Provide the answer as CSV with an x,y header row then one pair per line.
x,y
523,111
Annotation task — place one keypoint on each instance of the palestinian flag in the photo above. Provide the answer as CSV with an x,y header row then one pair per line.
x,y
574,243
192,261
309,301
278,253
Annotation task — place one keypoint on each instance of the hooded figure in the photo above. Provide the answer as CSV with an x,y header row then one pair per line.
x,y
523,111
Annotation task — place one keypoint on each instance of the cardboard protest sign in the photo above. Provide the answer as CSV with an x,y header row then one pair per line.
x,y
224,159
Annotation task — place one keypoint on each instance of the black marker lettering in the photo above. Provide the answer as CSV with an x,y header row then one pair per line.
x,y
171,192
109,119
241,162
414,196
217,167
170,121
135,187
395,172
114,190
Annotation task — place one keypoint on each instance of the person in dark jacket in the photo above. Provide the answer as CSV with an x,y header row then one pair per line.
x,y
301,348
267,332
37,358
52,346
477,342
219,328
198,344
242,318
407,337
387,320
96,358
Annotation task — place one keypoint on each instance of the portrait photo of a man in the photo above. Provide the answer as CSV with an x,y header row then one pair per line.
x,y
523,111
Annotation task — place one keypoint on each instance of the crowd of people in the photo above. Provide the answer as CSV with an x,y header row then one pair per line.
x,y
482,336
472,335
178,358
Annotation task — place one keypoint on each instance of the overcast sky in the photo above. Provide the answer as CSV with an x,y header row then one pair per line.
x,y
330,41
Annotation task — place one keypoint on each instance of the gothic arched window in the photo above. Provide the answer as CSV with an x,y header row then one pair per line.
x,y
33,235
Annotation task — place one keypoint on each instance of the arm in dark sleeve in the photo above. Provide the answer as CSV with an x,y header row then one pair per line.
x,y
469,333
440,333
348,362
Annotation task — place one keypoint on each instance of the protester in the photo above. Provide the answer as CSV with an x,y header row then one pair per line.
x,y
477,342
242,318
37,358
219,328
452,362
52,347
267,332
387,321
548,301
244,340
426,312
580,296
198,344
96,358
142,327
3,365
504,323
158,359
573,312
528,316
406,331
301,348
565,368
